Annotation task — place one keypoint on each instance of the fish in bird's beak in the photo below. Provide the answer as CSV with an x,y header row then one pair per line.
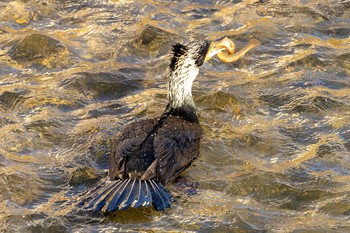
x,y
225,50
216,47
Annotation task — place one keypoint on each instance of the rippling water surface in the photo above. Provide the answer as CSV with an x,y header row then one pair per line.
x,y
276,152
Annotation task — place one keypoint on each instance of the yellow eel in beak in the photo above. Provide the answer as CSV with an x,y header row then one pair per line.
x,y
225,50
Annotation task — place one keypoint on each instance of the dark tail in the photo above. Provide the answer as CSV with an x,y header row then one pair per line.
x,y
123,194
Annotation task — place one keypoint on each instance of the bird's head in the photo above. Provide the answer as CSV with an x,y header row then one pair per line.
x,y
192,54
198,52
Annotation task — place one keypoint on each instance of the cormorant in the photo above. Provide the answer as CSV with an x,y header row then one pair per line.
x,y
150,153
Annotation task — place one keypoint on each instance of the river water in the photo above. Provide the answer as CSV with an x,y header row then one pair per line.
x,y
276,151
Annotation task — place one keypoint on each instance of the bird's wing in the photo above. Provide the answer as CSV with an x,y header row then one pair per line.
x,y
176,146
127,143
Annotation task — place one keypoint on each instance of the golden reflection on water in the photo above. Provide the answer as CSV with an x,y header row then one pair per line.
x,y
276,151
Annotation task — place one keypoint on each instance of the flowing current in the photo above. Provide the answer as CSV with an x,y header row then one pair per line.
x,y
276,151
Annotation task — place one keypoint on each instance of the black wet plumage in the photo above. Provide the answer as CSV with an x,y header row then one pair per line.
x,y
150,153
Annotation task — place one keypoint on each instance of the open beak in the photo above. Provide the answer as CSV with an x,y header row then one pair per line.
x,y
219,46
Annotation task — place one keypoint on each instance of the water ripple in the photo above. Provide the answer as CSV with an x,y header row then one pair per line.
x,y
276,152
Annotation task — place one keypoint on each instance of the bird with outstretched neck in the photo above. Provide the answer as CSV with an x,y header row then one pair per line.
x,y
150,153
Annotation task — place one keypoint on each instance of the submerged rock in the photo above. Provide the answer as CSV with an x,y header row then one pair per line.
x,y
318,104
103,86
83,175
151,42
9,100
152,38
40,50
35,46
222,102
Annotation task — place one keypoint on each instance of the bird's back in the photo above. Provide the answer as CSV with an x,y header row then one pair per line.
x,y
155,149
132,152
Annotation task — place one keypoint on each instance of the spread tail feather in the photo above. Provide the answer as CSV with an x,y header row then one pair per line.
x,y
123,194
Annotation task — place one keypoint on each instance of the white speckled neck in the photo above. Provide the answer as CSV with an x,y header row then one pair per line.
x,y
180,83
